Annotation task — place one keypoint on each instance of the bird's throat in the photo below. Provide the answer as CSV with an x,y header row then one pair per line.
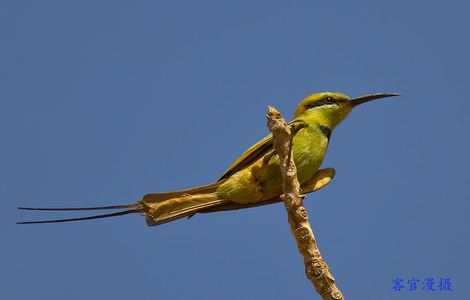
x,y
325,130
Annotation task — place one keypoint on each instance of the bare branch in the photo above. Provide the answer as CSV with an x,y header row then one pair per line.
x,y
315,267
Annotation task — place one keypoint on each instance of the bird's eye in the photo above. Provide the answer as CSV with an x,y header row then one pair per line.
x,y
329,100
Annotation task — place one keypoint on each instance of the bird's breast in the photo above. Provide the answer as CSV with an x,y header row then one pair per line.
x,y
309,148
262,179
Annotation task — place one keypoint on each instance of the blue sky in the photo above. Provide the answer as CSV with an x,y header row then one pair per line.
x,y
104,101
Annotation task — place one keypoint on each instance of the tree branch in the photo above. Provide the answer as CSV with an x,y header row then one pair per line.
x,y
315,267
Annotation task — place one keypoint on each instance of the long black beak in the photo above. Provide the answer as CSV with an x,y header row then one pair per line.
x,y
363,99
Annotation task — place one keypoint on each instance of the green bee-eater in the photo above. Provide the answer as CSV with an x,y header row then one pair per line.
x,y
254,179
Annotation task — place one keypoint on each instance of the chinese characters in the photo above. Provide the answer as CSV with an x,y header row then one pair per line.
x,y
425,284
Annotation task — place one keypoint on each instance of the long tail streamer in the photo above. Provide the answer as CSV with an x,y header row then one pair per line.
x,y
121,213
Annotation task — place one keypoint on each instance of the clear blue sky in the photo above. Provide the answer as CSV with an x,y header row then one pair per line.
x,y
104,101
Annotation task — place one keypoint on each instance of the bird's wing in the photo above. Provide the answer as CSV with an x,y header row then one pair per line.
x,y
253,153
249,156
319,180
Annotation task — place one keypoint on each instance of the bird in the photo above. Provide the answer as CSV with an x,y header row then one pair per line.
x,y
254,178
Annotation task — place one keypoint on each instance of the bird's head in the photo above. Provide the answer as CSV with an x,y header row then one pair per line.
x,y
332,108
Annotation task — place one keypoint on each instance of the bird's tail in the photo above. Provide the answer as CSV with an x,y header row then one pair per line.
x,y
179,207
129,208
158,208
166,207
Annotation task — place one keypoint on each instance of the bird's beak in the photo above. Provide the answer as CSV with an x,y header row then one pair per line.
x,y
363,99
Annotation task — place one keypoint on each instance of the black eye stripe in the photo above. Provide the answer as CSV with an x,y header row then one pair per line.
x,y
325,101
314,104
